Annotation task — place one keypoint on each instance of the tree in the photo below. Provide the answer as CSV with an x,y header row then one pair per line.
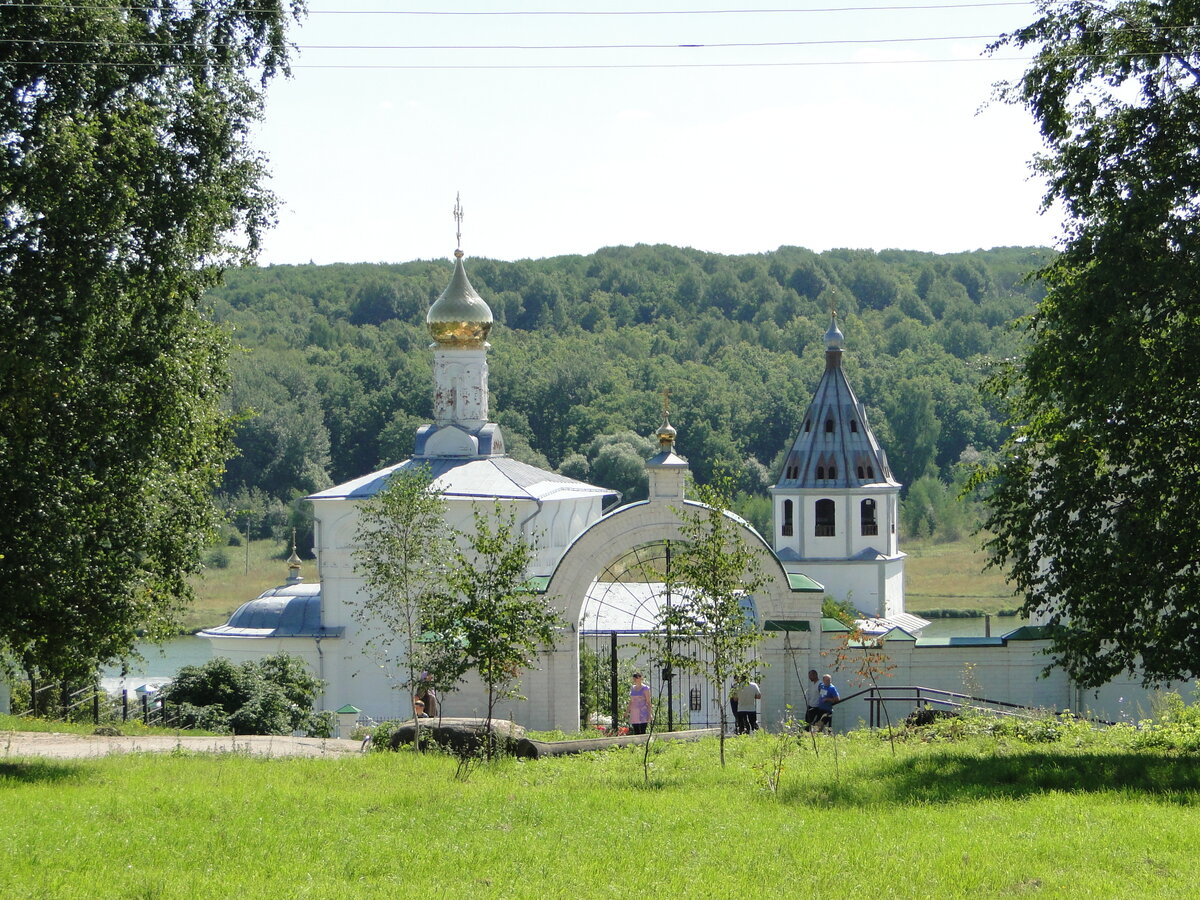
x,y
280,435
711,573
1093,506
488,619
127,183
402,547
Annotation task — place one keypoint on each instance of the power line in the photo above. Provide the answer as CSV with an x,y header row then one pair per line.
x,y
674,46
656,12
561,12
562,66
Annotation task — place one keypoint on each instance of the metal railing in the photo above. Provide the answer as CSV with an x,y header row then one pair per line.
x,y
926,698
94,703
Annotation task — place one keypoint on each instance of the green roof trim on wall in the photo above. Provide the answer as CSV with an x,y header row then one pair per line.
x,y
1031,633
800,582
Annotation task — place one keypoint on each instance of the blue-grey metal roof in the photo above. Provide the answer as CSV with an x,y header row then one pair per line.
x,y
835,436
489,477
876,625
290,610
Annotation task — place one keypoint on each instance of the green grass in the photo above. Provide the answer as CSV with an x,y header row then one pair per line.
x,y
132,728
985,818
952,576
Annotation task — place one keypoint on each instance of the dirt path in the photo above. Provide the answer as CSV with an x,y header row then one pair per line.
x,y
81,746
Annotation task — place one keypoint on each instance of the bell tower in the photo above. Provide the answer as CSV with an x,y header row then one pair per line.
x,y
459,322
836,503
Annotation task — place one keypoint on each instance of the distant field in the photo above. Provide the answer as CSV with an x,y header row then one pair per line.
x,y
220,591
951,576
937,576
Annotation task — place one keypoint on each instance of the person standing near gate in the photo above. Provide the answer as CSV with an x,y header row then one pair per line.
x,y
829,697
748,696
427,695
640,709
812,698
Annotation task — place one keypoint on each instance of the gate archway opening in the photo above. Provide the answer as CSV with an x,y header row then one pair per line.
x,y
619,633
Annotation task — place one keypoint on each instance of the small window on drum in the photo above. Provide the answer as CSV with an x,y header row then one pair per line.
x,y
832,472
820,473
829,426
854,426
860,473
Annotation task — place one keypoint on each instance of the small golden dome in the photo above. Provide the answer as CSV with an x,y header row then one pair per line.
x,y
666,434
459,317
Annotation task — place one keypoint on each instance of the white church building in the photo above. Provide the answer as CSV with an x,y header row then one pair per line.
x,y
835,512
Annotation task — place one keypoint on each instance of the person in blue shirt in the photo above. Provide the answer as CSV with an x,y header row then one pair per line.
x,y
827,696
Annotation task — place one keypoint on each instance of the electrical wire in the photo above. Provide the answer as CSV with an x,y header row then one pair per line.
x,y
477,47
559,12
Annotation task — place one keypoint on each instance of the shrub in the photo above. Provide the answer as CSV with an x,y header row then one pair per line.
x,y
273,695
217,559
1176,728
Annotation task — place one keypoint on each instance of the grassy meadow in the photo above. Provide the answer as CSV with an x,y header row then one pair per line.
x,y
994,817
937,576
952,576
222,589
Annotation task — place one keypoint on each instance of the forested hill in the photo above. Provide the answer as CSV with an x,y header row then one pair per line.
x,y
333,361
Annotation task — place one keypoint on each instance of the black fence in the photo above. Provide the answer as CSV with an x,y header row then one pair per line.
x,y
682,701
59,702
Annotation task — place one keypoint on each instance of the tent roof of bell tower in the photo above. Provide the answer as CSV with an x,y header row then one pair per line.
x,y
836,447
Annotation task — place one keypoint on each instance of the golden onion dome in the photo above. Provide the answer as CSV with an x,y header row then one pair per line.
x,y
459,317
666,435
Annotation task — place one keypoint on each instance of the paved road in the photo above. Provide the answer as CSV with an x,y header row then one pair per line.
x,y
81,746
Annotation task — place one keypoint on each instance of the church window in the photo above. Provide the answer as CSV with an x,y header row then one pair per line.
x,y
870,524
854,426
788,515
829,426
860,473
694,704
825,521
820,473
833,471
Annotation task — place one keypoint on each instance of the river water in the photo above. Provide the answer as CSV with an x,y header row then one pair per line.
x,y
160,663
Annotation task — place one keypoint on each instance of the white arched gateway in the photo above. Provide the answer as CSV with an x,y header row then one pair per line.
x,y
787,606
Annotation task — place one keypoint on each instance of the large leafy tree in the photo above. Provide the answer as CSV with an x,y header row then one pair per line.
x,y
1095,504
126,184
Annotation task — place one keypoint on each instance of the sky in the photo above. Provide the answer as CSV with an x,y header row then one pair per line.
x,y
865,126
